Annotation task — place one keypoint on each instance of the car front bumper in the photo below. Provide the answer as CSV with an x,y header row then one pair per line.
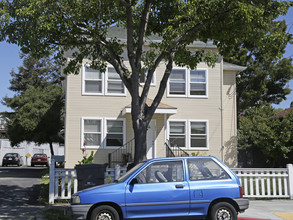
x,y
243,204
79,212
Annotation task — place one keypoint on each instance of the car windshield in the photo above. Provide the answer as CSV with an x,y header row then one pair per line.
x,y
40,155
129,173
10,155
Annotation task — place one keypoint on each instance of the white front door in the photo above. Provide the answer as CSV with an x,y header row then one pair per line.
x,y
151,140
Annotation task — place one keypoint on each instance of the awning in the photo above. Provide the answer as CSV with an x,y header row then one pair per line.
x,y
162,108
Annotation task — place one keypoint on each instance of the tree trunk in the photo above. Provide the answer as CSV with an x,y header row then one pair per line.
x,y
51,148
140,130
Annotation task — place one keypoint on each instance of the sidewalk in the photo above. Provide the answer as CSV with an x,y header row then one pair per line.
x,y
269,209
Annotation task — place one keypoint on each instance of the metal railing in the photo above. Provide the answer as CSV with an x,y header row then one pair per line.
x,y
122,155
174,151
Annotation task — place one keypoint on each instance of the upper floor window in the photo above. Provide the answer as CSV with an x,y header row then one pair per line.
x,y
187,83
97,83
114,82
188,134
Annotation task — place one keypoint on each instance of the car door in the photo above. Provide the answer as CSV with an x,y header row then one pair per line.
x,y
159,190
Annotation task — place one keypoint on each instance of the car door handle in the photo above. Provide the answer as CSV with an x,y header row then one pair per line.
x,y
179,186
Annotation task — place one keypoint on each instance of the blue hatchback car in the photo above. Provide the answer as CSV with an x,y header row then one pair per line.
x,y
165,188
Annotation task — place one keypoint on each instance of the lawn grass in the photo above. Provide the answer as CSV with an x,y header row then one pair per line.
x,y
52,213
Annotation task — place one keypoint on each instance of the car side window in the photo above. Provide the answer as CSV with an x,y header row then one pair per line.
x,y
205,169
158,172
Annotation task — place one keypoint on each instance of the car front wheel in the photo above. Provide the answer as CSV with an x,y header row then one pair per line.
x,y
105,212
223,211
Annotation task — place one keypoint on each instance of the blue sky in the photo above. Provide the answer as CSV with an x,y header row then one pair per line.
x,y
9,59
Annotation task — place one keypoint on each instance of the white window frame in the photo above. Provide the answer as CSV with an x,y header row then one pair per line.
x,y
188,82
188,133
207,135
105,132
186,124
83,83
82,133
106,85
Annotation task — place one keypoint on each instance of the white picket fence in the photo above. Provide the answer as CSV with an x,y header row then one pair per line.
x,y
266,183
256,183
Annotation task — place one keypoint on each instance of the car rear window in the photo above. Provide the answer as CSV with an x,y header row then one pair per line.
x,y
11,155
40,155
205,169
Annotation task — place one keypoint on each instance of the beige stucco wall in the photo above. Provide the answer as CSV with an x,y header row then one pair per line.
x,y
210,109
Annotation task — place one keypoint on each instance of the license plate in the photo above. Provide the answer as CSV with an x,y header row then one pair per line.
x,y
9,158
39,159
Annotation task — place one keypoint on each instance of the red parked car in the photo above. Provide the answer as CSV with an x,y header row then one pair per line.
x,y
39,159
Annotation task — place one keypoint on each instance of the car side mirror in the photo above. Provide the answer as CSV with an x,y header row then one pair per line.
x,y
133,181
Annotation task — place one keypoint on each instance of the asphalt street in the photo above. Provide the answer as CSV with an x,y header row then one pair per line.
x,y
19,190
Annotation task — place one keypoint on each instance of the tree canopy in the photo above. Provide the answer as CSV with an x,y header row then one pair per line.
x,y
40,26
268,72
261,129
38,103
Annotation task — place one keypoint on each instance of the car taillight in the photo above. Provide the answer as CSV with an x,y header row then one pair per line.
x,y
4,158
241,192
16,158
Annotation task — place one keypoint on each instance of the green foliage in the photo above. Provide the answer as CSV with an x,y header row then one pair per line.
x,y
87,159
273,136
38,103
268,73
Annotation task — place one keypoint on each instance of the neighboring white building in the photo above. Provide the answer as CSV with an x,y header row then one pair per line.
x,y
27,150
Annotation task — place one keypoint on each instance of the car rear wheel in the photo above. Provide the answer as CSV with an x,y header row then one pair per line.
x,y
223,211
105,212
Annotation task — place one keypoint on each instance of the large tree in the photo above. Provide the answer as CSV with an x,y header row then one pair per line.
x,y
40,26
267,75
37,103
261,129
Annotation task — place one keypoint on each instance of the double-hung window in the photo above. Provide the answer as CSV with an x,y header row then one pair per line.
x,y
92,132
114,83
188,134
198,134
93,82
97,83
177,82
198,83
177,134
103,133
115,133
187,83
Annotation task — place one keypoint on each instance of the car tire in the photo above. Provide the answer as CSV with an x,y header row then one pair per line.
x,y
32,165
105,212
223,210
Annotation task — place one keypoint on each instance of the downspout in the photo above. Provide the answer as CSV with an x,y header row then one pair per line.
x,y
165,131
221,109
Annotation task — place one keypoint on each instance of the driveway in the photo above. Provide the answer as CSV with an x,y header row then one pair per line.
x,y
19,190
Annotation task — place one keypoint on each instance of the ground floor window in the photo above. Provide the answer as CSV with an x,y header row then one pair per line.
x,y
102,133
189,134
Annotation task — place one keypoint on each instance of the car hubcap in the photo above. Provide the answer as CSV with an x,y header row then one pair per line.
x,y
105,216
223,214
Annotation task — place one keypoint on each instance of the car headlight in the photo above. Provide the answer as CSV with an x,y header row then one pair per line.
x,y
75,199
